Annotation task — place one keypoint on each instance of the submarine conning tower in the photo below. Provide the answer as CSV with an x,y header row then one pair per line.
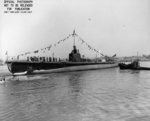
x,y
75,56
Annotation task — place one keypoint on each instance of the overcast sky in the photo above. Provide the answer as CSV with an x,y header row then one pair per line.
x,y
110,26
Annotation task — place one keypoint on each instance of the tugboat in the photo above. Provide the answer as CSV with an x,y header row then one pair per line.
x,y
74,63
135,65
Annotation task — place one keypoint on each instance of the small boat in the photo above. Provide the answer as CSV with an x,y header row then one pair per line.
x,y
2,81
133,66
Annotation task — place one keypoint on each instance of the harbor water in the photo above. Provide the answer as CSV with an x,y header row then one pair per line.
x,y
97,95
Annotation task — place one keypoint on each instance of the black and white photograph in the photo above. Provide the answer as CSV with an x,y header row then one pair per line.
x,y
75,60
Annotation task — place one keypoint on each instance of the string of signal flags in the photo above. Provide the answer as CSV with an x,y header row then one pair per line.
x,y
48,48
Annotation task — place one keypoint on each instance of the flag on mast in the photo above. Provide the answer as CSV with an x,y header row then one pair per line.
x,y
6,53
74,32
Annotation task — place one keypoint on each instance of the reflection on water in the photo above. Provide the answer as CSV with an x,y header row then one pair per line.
x,y
100,95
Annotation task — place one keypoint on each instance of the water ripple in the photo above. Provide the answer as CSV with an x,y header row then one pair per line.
x,y
101,95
